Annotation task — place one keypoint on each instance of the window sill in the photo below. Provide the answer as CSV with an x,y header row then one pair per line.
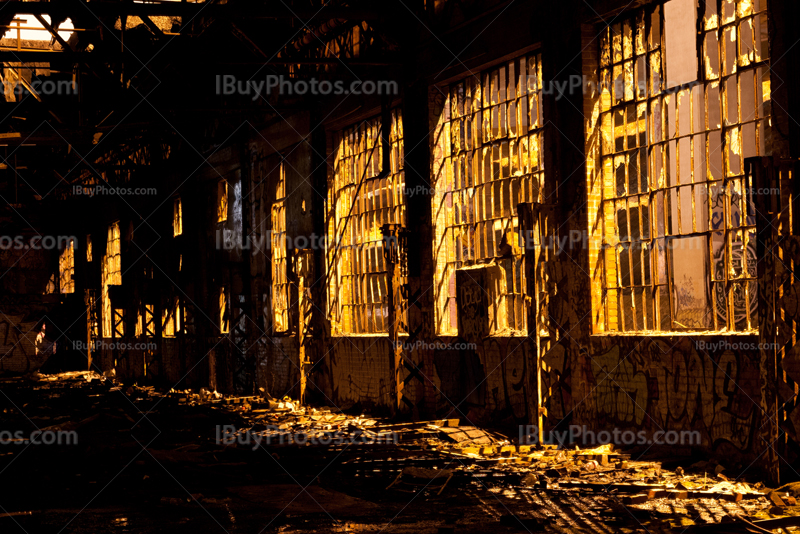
x,y
501,335
674,334
379,335
283,333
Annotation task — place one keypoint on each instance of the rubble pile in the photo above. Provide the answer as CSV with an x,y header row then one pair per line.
x,y
374,458
431,456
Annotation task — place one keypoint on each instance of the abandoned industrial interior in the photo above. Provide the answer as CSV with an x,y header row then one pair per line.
x,y
429,266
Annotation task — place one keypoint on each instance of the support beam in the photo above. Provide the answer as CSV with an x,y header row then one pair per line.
x,y
303,260
537,222
395,247
153,27
273,11
42,56
53,32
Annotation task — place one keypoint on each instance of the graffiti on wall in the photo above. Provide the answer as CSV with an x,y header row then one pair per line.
x,y
663,386
656,385
486,383
621,388
360,371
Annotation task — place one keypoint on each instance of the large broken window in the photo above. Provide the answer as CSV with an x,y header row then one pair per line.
x,y
672,218
66,268
280,281
111,275
487,159
360,201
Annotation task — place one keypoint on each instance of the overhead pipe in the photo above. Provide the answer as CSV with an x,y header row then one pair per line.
x,y
320,32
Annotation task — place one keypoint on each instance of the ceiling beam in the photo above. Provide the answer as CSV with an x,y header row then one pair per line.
x,y
44,56
276,10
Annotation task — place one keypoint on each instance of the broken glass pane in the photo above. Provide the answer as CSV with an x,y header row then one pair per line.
x,y
689,265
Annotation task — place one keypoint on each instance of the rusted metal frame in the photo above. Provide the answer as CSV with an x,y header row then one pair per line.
x,y
322,34
90,301
537,228
728,283
762,170
8,55
30,89
53,32
630,243
728,231
239,34
117,320
190,9
528,222
516,292
149,321
304,280
152,26
395,250
647,100
642,242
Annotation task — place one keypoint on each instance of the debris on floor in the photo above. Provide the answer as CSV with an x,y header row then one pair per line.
x,y
379,461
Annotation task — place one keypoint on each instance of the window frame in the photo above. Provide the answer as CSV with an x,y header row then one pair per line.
x,y
524,175
281,287
66,269
111,274
355,261
720,190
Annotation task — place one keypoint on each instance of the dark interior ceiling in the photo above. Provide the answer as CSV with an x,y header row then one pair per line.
x,y
154,81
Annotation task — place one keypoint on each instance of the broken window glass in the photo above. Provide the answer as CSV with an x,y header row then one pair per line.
x,y
680,25
66,268
361,200
478,184
111,275
690,283
690,196
280,281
